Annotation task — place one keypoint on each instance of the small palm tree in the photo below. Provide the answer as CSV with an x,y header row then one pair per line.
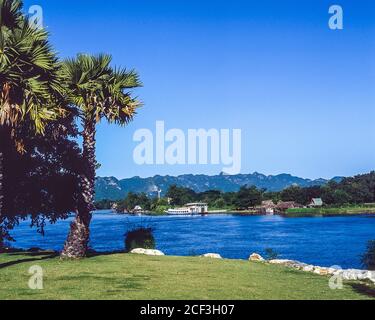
x,y
97,91
29,85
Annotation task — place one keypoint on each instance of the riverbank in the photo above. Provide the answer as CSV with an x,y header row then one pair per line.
x,y
295,212
329,212
135,277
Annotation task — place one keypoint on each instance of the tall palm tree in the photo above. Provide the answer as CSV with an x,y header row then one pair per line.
x,y
29,85
98,91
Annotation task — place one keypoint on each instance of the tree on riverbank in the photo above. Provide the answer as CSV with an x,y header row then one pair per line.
x,y
97,91
350,191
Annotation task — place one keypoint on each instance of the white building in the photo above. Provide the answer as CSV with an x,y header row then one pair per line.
x,y
198,208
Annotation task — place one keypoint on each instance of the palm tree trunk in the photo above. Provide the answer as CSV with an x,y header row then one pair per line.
x,y
76,244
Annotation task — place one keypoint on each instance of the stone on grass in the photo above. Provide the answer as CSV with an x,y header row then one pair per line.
x,y
281,261
147,252
256,257
212,255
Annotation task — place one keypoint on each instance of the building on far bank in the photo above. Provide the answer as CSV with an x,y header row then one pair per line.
x,y
138,210
267,207
285,205
198,208
316,203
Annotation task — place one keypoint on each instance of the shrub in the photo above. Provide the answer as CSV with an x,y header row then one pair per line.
x,y
140,237
368,259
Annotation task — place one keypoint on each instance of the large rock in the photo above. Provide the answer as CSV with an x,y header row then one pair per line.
x,y
256,257
212,255
147,252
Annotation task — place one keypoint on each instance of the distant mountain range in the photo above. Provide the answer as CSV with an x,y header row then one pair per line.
x,y
113,189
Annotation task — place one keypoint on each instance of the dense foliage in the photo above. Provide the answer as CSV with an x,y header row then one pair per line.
x,y
354,190
104,204
42,183
133,200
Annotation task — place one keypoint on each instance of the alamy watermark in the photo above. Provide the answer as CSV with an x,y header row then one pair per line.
x,y
336,21
36,17
335,282
36,279
193,147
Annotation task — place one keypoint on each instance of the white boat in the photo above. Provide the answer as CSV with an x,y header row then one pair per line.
x,y
179,212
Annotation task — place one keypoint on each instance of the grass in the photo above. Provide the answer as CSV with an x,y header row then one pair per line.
x,y
134,277
328,211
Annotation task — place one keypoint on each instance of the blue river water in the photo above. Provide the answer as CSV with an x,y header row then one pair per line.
x,y
319,241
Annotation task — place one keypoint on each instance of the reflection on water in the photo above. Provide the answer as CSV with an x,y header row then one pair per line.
x,y
319,241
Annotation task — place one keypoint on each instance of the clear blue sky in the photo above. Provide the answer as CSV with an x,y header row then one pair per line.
x,y
302,94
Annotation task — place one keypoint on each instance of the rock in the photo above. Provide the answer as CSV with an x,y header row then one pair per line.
x,y
147,252
256,257
308,268
298,265
349,274
324,272
363,275
333,271
280,261
212,255
316,270
289,263
371,276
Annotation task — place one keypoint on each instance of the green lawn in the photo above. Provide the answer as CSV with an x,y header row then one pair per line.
x,y
126,276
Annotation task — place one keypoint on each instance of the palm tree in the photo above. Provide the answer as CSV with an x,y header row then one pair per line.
x,y
98,91
29,85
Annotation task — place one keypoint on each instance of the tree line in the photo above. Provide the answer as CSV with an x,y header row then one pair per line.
x,y
44,173
354,190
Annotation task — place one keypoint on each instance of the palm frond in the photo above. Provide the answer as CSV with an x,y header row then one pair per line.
x,y
29,71
100,91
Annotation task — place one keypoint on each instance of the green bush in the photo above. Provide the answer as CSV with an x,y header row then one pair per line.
x,y
140,237
160,209
368,259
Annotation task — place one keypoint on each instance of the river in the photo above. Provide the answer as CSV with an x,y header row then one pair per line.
x,y
320,241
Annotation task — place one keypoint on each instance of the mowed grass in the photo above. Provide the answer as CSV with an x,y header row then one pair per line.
x,y
133,277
